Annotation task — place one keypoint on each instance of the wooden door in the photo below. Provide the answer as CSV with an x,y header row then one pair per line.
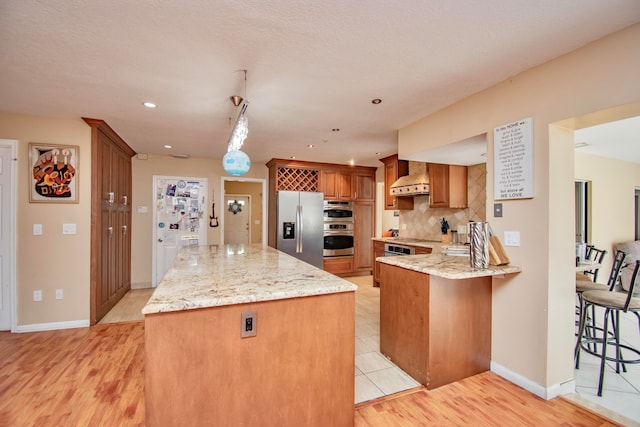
x,y
439,185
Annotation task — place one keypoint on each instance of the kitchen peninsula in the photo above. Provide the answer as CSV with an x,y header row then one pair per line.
x,y
435,316
298,369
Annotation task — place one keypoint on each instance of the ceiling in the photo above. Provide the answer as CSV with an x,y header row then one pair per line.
x,y
311,66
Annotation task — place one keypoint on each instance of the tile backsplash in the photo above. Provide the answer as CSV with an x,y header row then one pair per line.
x,y
423,222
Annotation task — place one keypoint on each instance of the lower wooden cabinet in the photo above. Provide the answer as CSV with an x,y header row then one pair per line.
x,y
340,265
378,251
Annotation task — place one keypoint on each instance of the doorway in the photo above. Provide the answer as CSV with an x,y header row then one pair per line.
x,y
256,190
7,233
179,219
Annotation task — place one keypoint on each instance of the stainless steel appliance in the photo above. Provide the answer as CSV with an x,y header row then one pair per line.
x,y
338,211
338,228
391,249
300,226
338,238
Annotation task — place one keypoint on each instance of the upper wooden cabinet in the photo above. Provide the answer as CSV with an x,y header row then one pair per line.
x,y
365,186
448,186
336,184
394,169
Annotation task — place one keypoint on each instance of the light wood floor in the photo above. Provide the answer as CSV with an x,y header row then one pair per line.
x,y
95,377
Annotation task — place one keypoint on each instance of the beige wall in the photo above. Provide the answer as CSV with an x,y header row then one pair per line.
x,y
613,184
142,224
253,189
533,311
53,260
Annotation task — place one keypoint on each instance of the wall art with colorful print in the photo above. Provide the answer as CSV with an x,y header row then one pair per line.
x,y
53,173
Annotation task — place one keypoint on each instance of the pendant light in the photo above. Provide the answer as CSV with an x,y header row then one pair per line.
x,y
236,162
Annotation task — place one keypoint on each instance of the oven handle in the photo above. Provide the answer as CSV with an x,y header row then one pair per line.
x,y
338,233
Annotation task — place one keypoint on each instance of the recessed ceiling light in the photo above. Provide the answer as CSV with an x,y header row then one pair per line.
x,y
292,157
310,145
352,162
325,140
378,153
580,144
376,101
168,146
149,104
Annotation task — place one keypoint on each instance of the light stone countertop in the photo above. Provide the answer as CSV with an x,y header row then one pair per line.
x,y
449,267
411,242
218,275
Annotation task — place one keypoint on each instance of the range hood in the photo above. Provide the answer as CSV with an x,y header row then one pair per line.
x,y
414,184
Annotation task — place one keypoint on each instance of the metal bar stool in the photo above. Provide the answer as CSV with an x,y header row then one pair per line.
x,y
587,285
613,303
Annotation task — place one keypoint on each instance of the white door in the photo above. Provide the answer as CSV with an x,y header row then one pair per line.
x,y
237,215
179,211
6,233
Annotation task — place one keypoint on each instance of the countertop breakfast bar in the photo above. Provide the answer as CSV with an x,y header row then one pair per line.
x,y
435,315
297,369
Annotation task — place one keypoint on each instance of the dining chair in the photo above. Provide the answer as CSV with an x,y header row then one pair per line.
x,y
612,303
587,285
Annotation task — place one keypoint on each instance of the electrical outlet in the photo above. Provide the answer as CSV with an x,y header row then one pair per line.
x,y
249,324
37,295
59,294
68,229
37,229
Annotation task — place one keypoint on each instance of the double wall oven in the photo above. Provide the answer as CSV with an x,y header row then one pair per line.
x,y
338,228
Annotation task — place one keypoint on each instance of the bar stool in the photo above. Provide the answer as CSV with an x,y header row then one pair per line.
x,y
587,285
612,303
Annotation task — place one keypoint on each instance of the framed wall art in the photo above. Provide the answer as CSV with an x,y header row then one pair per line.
x,y
53,173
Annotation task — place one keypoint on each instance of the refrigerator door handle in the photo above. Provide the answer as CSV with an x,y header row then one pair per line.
x,y
300,228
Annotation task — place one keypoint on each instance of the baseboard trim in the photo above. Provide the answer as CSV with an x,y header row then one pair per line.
x,y
51,326
547,393
141,285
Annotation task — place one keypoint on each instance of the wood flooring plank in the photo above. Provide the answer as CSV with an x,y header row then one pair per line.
x,y
95,377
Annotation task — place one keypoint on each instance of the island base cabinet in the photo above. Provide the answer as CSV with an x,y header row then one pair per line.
x,y
435,329
297,370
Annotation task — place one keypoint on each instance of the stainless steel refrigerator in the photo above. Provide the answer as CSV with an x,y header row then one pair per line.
x,y
300,225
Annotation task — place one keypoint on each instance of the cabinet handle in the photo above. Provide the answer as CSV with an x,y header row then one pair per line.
x,y
110,230
112,197
124,229
125,200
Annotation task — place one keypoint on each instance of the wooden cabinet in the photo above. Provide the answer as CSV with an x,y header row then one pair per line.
x,y
394,169
435,329
378,251
336,184
363,215
448,186
365,186
110,219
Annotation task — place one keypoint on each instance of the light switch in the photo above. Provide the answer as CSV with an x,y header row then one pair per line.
x,y
143,209
37,229
512,238
68,229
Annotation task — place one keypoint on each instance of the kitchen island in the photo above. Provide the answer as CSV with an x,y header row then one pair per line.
x,y
435,316
298,369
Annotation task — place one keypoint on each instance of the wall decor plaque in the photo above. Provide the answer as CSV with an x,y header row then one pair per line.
x,y
53,173
513,160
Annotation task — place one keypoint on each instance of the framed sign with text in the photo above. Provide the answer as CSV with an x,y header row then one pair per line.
x,y
513,160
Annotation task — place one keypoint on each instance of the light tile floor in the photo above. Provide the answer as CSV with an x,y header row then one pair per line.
x,y
376,376
129,308
621,392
